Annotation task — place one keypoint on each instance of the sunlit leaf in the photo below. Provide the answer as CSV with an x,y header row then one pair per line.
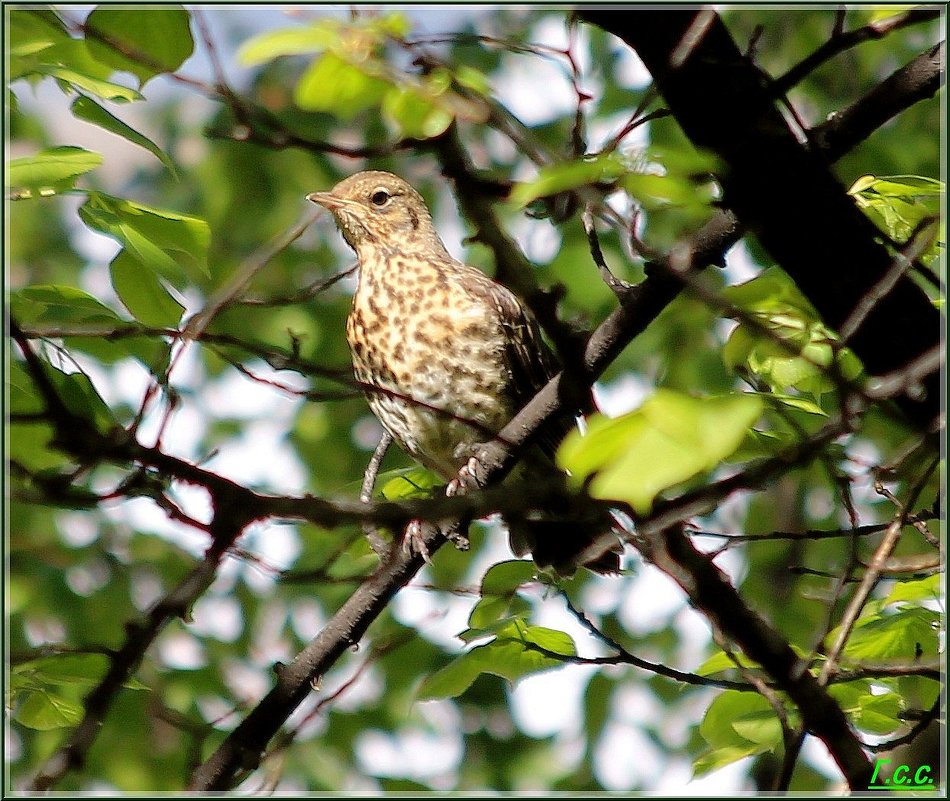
x,y
669,439
142,293
45,710
172,244
51,171
51,305
907,635
85,108
266,46
509,656
556,178
411,482
925,589
107,90
338,87
146,43
499,592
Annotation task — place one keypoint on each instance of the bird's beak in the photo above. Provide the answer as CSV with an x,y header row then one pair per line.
x,y
328,200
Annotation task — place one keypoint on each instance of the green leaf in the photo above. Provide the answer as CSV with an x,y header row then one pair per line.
x,y
410,482
509,656
68,668
32,30
44,710
906,635
173,245
738,719
669,439
499,599
107,90
555,178
81,398
53,304
720,757
803,361
898,204
335,86
473,79
721,661
145,42
50,172
414,113
876,713
85,108
658,191
925,589
313,38
142,293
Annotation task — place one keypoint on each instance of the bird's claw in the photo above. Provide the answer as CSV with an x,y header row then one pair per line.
x,y
414,541
466,479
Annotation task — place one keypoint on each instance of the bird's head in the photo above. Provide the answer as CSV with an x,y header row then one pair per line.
x,y
377,210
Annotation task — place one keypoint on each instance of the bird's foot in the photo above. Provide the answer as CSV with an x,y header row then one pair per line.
x,y
466,479
414,541
458,538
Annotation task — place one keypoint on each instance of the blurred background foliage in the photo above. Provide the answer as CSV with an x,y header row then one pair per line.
x,y
190,178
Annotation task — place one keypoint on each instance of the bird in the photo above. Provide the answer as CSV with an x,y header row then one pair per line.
x,y
446,356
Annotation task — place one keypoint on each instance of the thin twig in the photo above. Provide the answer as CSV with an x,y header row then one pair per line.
x,y
376,540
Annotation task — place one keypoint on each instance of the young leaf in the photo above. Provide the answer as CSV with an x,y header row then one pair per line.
x,y
142,293
146,43
669,439
173,245
335,86
85,108
411,482
50,172
45,710
499,599
289,42
509,656
107,90
556,178
53,304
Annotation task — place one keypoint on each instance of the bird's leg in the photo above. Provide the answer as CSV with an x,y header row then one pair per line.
x,y
466,479
414,540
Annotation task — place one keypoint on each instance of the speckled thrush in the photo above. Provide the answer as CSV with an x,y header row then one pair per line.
x,y
446,355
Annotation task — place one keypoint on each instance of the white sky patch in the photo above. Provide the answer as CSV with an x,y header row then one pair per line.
x,y
218,616
651,599
277,544
625,758
366,690
540,240
413,753
77,529
86,578
181,650
439,617
550,95
629,69
247,683
307,618
602,130
622,394
532,705
740,266
815,753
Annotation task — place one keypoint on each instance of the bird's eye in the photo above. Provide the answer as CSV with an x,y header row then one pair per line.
x,y
379,198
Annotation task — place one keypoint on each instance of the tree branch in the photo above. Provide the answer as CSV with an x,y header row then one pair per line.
x,y
812,228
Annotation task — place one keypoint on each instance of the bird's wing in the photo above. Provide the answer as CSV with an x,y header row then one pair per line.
x,y
531,363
